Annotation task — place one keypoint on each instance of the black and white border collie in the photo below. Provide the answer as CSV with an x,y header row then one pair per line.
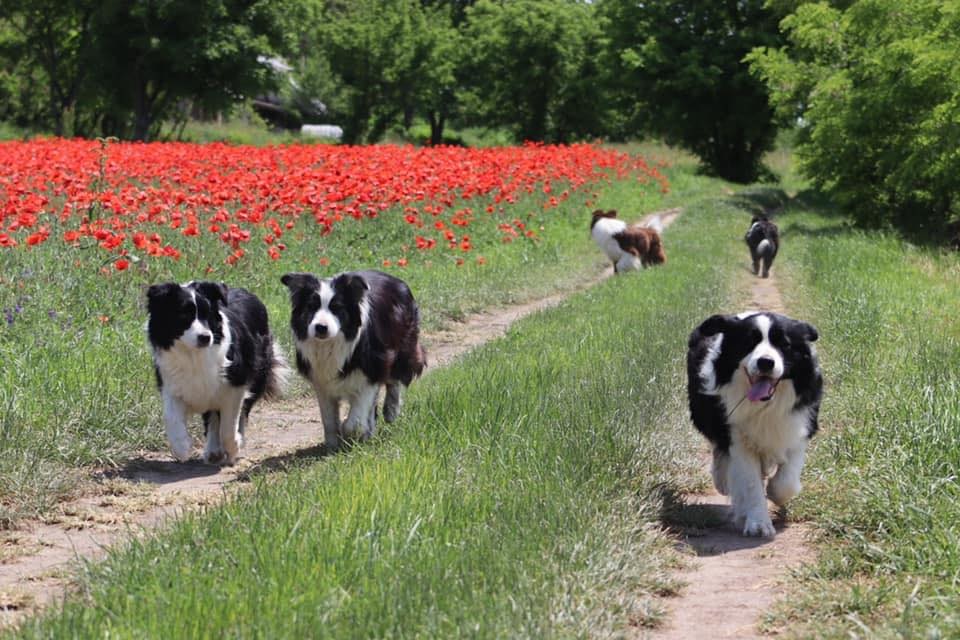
x,y
213,354
354,333
763,238
754,386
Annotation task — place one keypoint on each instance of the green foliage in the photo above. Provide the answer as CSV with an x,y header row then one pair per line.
x,y
877,89
681,75
389,61
48,43
532,66
882,485
120,68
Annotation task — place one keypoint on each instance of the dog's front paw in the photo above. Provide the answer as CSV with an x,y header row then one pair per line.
x,y
782,492
391,411
759,526
352,428
181,448
332,445
214,455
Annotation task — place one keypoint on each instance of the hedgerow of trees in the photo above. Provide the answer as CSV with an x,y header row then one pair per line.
x,y
547,70
874,86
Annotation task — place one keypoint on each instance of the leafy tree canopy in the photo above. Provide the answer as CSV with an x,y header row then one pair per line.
x,y
875,85
681,65
532,66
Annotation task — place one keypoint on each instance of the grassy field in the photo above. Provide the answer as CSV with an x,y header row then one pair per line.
x,y
881,485
75,385
517,497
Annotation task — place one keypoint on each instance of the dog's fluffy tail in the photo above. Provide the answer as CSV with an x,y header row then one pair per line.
x,y
655,223
656,255
765,248
278,372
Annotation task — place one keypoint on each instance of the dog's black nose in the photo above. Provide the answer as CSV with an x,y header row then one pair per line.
x,y
765,365
203,339
320,330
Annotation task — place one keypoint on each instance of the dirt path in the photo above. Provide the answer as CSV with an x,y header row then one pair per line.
x,y
35,560
734,579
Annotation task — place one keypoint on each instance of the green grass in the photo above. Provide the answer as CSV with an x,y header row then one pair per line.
x,y
881,485
76,385
517,496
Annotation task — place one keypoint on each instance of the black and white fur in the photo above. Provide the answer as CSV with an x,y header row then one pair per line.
x,y
754,386
213,354
354,333
763,238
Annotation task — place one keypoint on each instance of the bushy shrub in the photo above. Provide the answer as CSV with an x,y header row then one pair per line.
x,y
875,88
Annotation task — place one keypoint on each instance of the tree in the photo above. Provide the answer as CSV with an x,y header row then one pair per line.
x,y
437,91
53,36
152,54
876,86
680,71
372,47
531,67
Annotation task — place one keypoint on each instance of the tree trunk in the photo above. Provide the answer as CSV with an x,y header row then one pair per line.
x,y
141,113
437,121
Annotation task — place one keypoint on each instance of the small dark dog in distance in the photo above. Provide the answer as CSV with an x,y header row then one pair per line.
x,y
763,238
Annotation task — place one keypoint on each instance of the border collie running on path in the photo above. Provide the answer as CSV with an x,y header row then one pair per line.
x,y
629,247
213,354
763,238
354,333
754,386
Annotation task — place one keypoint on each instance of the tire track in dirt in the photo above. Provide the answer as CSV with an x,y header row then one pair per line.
x,y
734,579
149,490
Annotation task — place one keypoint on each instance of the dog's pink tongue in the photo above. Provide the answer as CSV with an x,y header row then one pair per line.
x,y
762,389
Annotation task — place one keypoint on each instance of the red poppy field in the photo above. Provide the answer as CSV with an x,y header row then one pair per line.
x,y
148,201
86,225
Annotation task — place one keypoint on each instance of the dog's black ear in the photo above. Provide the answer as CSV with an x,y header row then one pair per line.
x,y
213,291
353,284
156,291
807,331
715,324
297,281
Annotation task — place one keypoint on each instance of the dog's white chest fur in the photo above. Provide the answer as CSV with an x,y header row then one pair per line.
x,y
195,376
327,359
770,428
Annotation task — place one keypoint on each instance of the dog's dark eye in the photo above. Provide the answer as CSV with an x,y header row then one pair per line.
x,y
188,308
756,335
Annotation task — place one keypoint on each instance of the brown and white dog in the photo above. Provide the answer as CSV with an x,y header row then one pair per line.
x,y
629,247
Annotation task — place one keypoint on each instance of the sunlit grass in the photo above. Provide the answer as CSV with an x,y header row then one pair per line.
x,y
882,482
76,381
514,498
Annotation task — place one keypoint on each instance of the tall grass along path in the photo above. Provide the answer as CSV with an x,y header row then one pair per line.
x,y
148,491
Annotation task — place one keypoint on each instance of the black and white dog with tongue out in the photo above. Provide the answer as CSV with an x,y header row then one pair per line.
x,y
754,385
355,333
